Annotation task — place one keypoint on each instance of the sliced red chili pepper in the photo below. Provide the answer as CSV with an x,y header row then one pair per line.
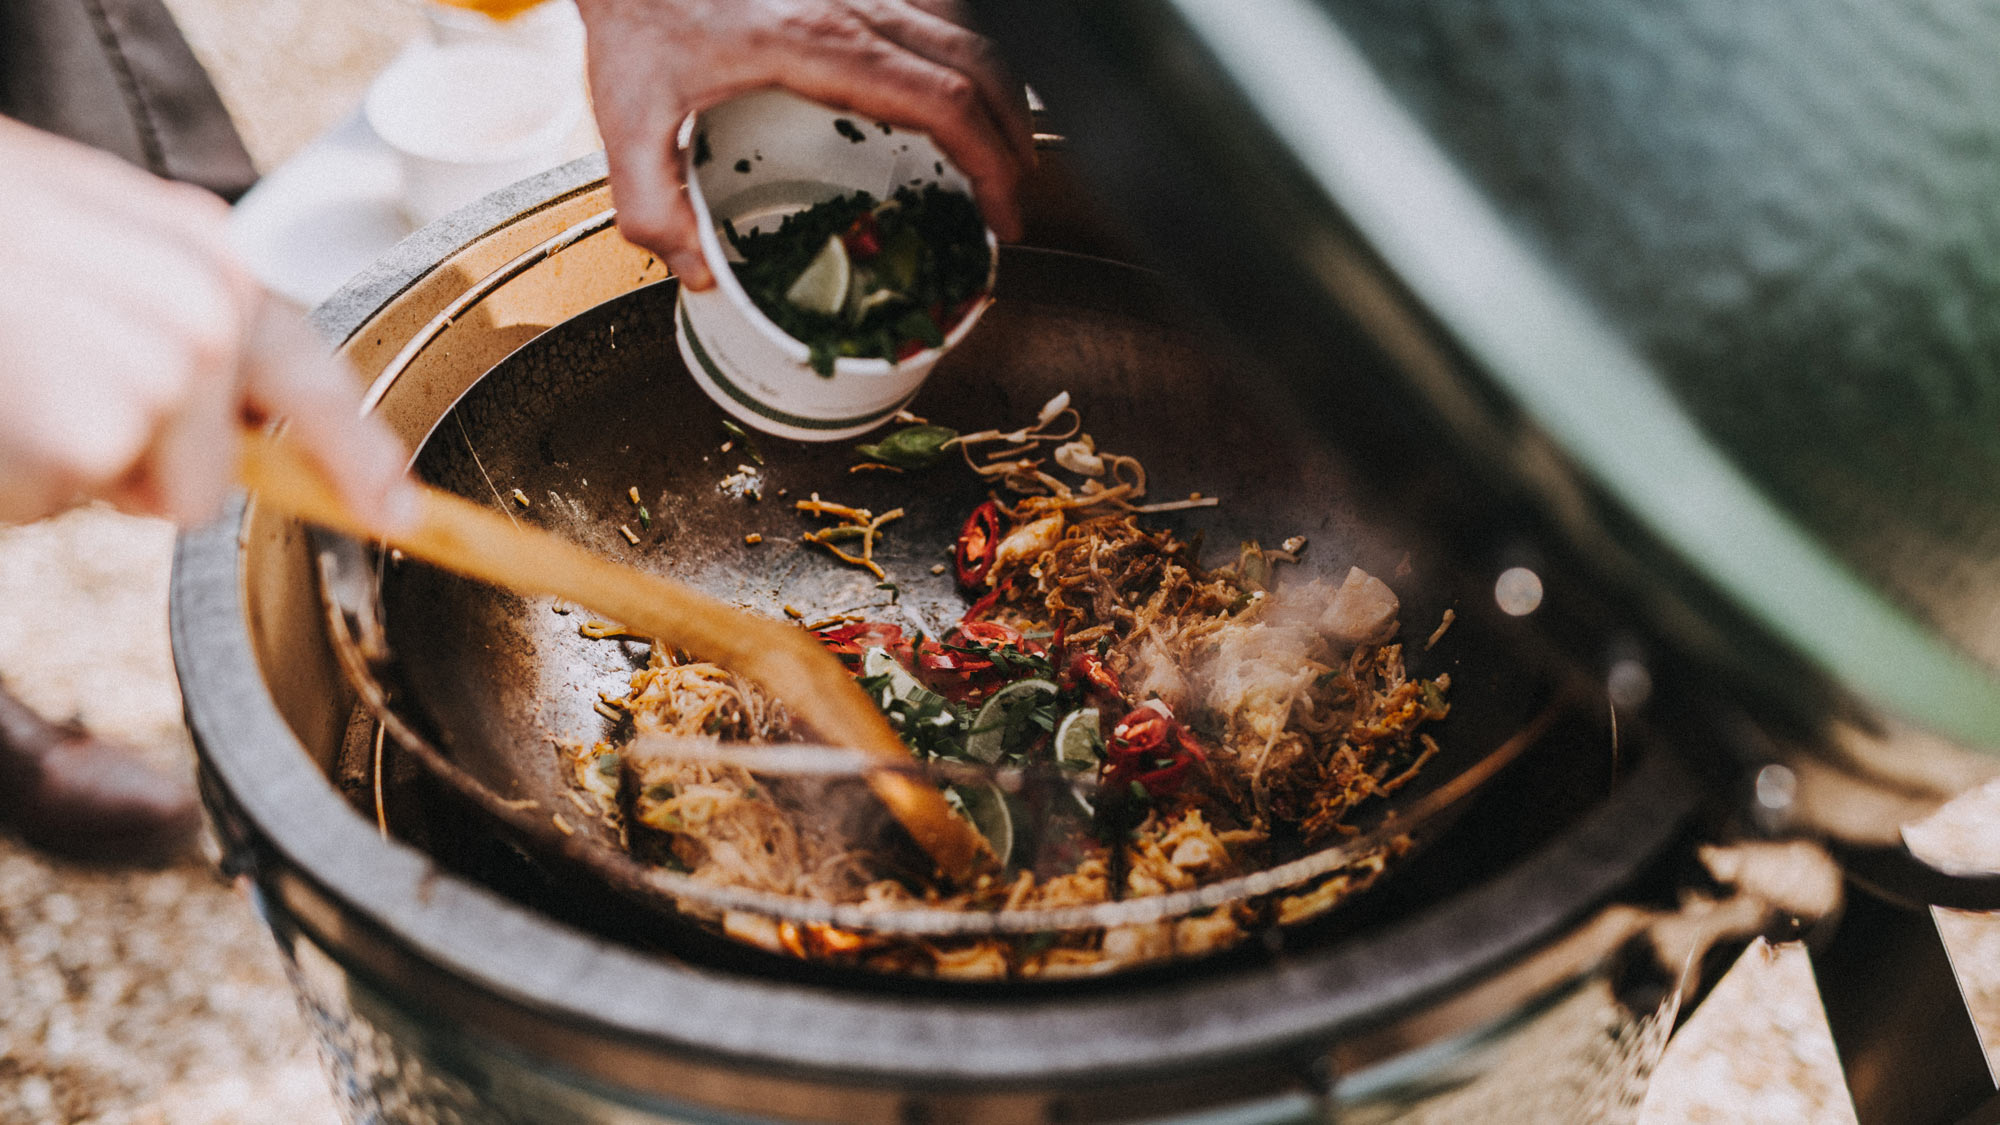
x,y
850,641
956,669
993,634
978,542
1150,747
958,651
1086,670
863,237
987,601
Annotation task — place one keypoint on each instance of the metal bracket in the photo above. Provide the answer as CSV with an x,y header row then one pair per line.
x,y
1899,1021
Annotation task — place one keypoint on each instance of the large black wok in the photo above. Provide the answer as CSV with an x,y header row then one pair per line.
x,y
450,973
483,686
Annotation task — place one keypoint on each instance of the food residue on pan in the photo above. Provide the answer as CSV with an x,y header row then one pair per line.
x,y
858,527
1213,721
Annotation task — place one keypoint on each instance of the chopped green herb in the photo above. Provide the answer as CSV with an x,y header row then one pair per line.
x,y
1012,722
743,166
849,130
850,278
743,435
645,517
701,153
912,447
1015,662
931,725
918,325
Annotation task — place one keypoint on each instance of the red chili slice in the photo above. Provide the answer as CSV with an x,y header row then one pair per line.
x,y
1086,670
1150,747
955,669
987,601
978,541
863,237
850,641
993,634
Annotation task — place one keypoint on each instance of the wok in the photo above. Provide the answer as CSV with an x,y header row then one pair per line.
x,y
479,685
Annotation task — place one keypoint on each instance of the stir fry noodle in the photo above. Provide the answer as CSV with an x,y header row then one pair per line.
x,y
1178,724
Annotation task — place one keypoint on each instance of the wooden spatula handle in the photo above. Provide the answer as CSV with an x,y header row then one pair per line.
x,y
466,538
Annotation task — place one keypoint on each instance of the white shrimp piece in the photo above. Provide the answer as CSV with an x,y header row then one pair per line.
x,y
1029,540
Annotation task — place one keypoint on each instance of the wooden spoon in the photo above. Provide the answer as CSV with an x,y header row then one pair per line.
x,y
464,537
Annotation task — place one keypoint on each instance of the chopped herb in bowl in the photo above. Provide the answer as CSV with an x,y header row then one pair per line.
x,y
853,277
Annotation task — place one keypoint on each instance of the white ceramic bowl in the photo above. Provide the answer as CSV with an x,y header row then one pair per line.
x,y
770,154
466,118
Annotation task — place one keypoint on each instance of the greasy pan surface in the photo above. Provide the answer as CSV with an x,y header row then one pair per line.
x,y
600,405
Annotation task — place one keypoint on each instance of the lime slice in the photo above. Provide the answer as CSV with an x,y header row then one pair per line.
x,y
983,804
868,303
987,740
902,685
1079,746
822,286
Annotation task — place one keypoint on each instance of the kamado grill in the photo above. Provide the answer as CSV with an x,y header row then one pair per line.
x,y
1620,704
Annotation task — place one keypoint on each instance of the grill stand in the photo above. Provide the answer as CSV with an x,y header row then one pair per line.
x,y
1899,1021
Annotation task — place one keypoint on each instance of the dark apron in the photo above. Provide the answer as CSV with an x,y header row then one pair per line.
x,y
116,75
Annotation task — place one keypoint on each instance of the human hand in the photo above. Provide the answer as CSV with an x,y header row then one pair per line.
x,y
133,349
907,62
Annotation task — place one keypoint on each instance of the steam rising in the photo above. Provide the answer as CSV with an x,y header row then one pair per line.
x,y
1263,659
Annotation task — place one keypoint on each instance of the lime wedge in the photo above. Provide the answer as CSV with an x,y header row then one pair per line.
x,y
1079,745
982,803
902,685
868,303
822,286
987,740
